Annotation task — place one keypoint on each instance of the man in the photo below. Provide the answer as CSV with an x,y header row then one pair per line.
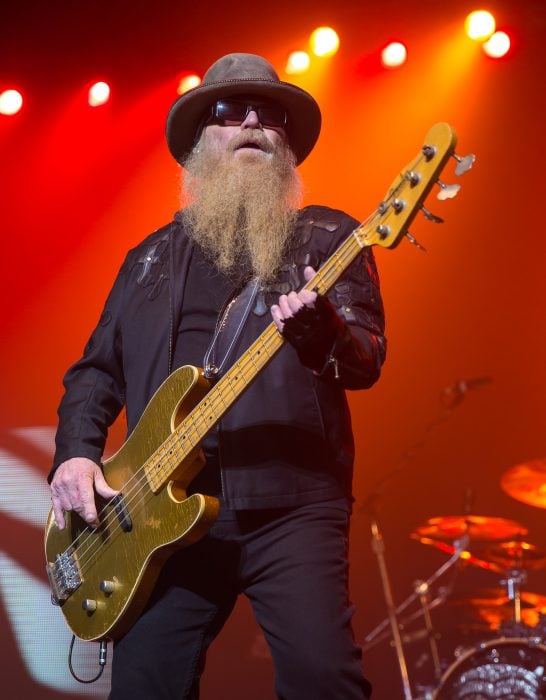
x,y
198,291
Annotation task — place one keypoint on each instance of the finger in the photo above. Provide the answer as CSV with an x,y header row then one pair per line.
x,y
294,303
284,307
277,317
102,486
58,512
309,273
86,500
308,297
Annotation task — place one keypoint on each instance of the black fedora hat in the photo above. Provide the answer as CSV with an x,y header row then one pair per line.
x,y
238,74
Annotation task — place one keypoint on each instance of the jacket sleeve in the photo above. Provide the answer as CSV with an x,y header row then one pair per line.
x,y
356,356
94,387
359,350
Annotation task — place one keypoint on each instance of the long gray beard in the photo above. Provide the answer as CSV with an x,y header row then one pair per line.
x,y
242,211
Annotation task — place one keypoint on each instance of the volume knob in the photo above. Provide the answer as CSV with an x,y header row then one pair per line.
x,y
89,604
107,587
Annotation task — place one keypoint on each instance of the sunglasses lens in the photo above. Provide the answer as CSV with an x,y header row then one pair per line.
x,y
272,115
230,111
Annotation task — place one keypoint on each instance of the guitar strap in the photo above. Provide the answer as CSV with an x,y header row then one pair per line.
x,y
228,330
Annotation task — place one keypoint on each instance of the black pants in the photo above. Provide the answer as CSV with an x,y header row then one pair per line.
x,y
292,565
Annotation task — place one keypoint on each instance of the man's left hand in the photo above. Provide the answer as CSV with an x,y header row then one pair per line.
x,y
310,324
290,304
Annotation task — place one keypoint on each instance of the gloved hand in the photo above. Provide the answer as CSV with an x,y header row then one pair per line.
x,y
313,331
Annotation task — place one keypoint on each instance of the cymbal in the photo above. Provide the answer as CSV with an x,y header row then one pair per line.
x,y
527,482
493,607
464,554
514,555
476,527
497,597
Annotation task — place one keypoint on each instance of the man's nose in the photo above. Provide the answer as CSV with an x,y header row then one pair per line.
x,y
252,121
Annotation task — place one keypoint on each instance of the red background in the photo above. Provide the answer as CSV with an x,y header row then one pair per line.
x,y
81,186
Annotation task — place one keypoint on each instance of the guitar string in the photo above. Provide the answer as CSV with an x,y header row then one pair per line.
x,y
340,258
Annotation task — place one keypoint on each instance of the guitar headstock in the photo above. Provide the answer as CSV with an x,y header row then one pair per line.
x,y
390,222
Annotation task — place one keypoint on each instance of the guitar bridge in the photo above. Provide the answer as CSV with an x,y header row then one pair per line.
x,y
64,575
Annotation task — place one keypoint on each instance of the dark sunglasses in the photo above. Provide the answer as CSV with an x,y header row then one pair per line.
x,y
234,112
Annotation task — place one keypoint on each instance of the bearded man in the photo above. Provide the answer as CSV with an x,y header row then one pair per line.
x,y
199,291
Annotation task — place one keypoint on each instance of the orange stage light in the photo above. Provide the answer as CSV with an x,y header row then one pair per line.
x,y
298,62
11,102
479,25
188,82
394,55
324,41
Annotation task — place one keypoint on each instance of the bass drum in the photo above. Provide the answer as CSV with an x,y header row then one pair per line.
x,y
507,668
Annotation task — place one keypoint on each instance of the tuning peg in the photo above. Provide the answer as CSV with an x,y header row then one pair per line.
x,y
431,217
464,164
415,242
429,151
447,191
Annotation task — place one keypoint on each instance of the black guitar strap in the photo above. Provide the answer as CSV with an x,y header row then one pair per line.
x,y
228,330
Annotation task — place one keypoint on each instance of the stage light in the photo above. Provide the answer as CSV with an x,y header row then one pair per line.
x,y
99,94
497,45
188,82
394,55
11,102
479,25
298,62
324,41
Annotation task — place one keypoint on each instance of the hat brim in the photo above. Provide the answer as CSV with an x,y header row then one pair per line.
x,y
186,114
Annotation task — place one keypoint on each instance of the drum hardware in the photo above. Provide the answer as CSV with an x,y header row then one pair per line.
x,y
378,546
527,482
495,607
421,588
421,593
501,668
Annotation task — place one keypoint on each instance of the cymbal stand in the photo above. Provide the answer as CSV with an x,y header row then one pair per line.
x,y
460,545
378,546
422,590
514,579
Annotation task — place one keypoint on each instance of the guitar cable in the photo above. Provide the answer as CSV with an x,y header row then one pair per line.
x,y
102,661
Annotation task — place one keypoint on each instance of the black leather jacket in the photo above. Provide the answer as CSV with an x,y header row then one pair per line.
x,y
288,439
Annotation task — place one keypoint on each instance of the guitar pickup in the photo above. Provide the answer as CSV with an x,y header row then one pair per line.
x,y
122,513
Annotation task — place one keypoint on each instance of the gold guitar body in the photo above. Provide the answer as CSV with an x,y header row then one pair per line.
x,y
119,561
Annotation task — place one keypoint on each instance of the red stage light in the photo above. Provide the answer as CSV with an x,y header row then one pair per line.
x,y
497,45
11,102
99,94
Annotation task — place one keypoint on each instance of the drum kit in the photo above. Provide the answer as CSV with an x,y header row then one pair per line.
x,y
510,660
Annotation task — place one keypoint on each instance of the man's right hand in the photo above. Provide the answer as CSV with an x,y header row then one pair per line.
x,y
73,488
